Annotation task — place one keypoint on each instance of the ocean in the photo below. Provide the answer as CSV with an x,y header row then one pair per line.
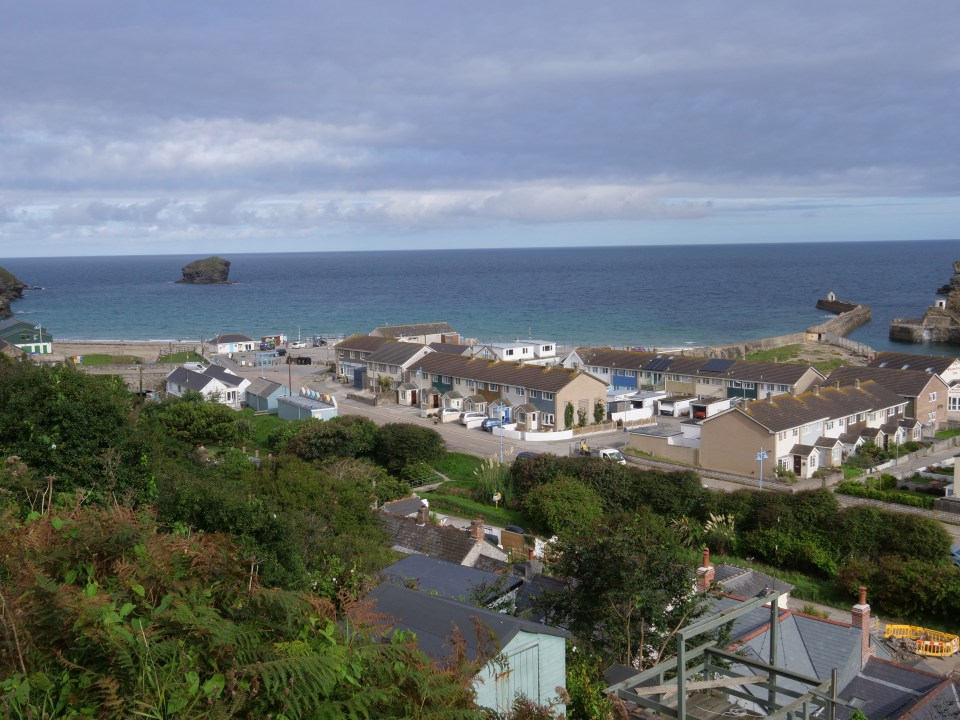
x,y
647,296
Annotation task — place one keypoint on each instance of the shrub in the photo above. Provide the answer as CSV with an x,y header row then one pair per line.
x,y
851,487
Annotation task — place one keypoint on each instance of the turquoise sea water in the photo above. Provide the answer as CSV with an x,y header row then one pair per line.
x,y
651,296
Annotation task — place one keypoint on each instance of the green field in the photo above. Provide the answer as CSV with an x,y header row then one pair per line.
x,y
102,359
180,358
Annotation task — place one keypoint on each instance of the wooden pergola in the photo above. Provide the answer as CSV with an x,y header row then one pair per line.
x,y
703,668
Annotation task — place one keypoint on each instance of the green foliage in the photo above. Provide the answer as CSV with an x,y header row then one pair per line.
x,y
401,443
586,685
349,436
581,417
852,487
193,420
568,416
490,478
563,507
632,590
384,383
457,465
116,619
599,412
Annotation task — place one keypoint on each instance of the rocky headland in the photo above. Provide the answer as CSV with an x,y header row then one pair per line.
x,y
208,271
11,288
941,321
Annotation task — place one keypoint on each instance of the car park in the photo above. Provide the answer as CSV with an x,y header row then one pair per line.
x,y
468,418
490,423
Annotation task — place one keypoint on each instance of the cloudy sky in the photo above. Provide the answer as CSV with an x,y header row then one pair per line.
x,y
135,127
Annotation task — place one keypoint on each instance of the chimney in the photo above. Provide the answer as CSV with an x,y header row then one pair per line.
x,y
423,514
769,397
476,529
705,573
860,618
856,383
816,389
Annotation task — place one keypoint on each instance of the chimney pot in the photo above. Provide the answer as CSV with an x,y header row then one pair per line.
x,y
863,595
856,383
816,389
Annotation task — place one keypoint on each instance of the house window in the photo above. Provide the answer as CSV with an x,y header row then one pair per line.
x,y
891,412
493,386
829,425
840,422
353,354
446,379
736,384
547,348
796,432
953,403
547,396
521,391
509,352
506,389
813,461
873,416
534,394
783,388
748,386
933,397
471,383
394,369
851,420
381,367
932,417
781,436
782,464
549,419
605,371
456,381
436,378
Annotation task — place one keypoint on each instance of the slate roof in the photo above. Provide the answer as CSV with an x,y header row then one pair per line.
x,y
405,507
262,387
223,375
398,331
783,412
908,361
395,353
611,357
232,338
768,372
363,343
897,692
190,379
448,580
746,582
449,348
535,377
905,383
438,541
433,619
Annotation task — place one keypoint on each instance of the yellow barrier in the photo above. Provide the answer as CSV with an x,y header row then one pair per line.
x,y
925,641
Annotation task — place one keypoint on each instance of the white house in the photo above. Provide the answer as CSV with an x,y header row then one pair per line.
x,y
233,343
535,352
213,382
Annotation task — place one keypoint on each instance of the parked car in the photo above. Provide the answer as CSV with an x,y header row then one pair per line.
x,y
281,352
319,342
515,529
446,415
490,423
525,455
471,417
298,344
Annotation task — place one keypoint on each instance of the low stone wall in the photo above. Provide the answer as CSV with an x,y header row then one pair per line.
x,y
844,323
740,350
388,398
134,376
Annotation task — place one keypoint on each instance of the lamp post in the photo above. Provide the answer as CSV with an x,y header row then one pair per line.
x,y
761,456
502,418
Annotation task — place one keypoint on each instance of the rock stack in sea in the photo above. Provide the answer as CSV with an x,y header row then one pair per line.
x,y
11,289
208,271
940,323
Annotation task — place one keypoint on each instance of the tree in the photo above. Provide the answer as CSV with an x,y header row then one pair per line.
x,y
563,507
349,436
628,588
401,444
568,415
599,412
73,426
196,421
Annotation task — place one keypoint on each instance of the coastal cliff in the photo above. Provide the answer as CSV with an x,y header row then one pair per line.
x,y
11,289
208,271
941,321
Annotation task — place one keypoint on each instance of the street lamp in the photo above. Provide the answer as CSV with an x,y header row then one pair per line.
x,y
761,456
502,418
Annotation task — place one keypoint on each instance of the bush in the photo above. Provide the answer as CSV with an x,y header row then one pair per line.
x,y
851,487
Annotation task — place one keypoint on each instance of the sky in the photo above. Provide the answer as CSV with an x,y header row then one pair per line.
x,y
182,127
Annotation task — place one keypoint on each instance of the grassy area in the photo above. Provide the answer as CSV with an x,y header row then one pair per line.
x,y
180,358
102,359
263,425
794,353
851,473
467,507
457,466
944,434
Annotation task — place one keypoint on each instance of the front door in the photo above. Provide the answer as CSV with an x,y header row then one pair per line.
x,y
797,464
413,394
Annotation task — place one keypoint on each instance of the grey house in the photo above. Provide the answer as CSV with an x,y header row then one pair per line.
x,y
263,393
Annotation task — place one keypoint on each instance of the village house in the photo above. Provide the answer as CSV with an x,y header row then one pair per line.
x,y
621,369
390,363
423,333
215,383
32,339
948,368
262,395
535,352
352,354
533,397
233,343
925,393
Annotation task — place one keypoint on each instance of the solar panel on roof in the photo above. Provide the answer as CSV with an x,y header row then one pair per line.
x,y
717,365
658,364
